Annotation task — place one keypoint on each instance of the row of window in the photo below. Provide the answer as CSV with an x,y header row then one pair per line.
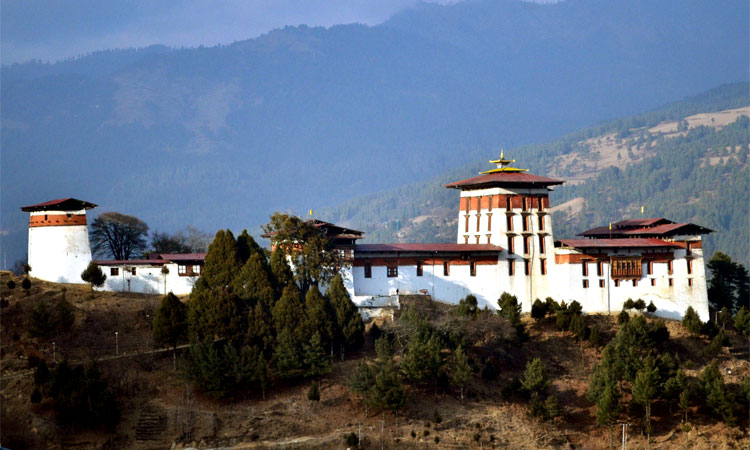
x,y
616,283
630,267
526,203
392,271
183,270
525,223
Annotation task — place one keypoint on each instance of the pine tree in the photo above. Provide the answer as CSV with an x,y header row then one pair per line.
x,y
608,407
320,315
280,270
246,247
651,308
715,393
362,382
538,310
287,355
289,314
253,282
64,314
644,389
692,322
349,326
742,320
222,264
460,370
317,363
170,321
260,328
41,322
215,314
387,391
534,379
313,393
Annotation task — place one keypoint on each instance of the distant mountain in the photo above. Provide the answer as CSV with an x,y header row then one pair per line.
x,y
309,117
686,161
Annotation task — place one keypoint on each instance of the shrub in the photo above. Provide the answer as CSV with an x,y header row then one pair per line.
x,y
720,340
742,321
26,285
36,396
313,394
11,284
629,304
623,318
437,440
640,305
552,305
351,439
692,322
476,437
467,307
538,310
436,417
594,337
651,308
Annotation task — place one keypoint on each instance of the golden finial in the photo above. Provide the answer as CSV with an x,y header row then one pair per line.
x,y
502,165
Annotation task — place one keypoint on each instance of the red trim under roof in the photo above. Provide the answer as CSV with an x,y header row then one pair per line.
x,y
134,262
503,178
439,247
617,243
60,204
183,256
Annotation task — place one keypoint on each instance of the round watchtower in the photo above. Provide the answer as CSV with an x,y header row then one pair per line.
x,y
59,247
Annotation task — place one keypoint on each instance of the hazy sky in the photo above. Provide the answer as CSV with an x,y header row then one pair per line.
x,y
56,29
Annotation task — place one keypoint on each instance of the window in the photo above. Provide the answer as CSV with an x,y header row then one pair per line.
x,y
626,267
617,283
489,238
473,269
543,266
419,268
508,205
542,247
132,270
670,266
671,282
446,268
585,268
585,284
541,223
688,249
392,271
690,266
601,283
511,267
526,266
114,271
635,283
599,268
653,281
368,270
489,222
181,269
649,268
526,244
196,269
509,222
466,239
477,239
479,221
510,244
525,223
467,223
525,204
539,203
690,282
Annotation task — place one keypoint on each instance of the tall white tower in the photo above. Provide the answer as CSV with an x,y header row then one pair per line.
x,y
59,247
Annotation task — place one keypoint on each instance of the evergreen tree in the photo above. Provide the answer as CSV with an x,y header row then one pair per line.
x,y
282,273
287,355
94,276
651,308
644,389
387,392
289,315
729,283
260,331
317,363
222,263
640,305
246,247
608,407
460,370
253,282
349,326
534,379
320,315
715,393
215,314
467,307
170,321
262,374
41,322
26,285
313,393
64,314
362,382
423,360
623,318
742,320
594,337
207,368
692,322
538,310
725,317
629,304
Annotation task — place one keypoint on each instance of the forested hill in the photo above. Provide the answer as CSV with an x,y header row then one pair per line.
x,y
687,161
304,117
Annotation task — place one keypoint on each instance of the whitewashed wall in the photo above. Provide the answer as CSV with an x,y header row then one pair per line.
x,y
59,253
148,279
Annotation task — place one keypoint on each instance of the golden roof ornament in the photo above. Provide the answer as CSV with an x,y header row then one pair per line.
x,y
502,165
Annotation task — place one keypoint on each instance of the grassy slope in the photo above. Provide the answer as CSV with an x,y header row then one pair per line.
x,y
286,418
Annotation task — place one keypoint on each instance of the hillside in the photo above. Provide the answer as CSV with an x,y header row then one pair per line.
x,y
160,410
223,136
693,152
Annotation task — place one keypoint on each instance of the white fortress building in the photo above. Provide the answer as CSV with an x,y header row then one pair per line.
x,y
504,243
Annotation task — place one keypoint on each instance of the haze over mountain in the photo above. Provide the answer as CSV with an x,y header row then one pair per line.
x,y
305,117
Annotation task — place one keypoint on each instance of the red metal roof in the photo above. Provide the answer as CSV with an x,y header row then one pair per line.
x,y
646,227
133,262
616,243
642,222
438,247
503,178
183,256
60,204
669,229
